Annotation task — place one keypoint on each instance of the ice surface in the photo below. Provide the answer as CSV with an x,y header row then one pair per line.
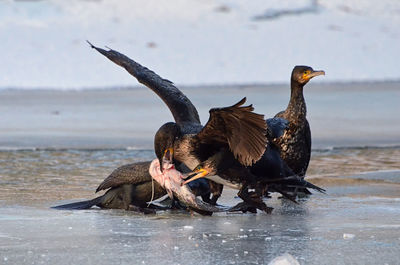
x,y
285,259
196,42
311,231
123,118
348,236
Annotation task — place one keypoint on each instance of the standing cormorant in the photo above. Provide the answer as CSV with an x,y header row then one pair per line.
x,y
295,143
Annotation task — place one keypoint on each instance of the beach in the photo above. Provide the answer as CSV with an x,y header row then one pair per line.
x,y
57,146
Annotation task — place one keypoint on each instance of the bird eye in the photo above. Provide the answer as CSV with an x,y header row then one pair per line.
x,y
197,168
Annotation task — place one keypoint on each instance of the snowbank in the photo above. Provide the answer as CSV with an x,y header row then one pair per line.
x,y
196,42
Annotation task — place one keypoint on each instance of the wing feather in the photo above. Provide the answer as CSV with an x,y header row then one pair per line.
x,y
127,174
243,130
180,106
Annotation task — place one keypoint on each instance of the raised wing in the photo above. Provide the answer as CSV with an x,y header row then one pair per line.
x,y
180,106
127,174
239,127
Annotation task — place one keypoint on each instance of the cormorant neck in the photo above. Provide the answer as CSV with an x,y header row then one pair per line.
x,y
297,106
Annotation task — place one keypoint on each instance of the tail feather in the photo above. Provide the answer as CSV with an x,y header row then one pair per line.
x,y
297,182
302,183
82,205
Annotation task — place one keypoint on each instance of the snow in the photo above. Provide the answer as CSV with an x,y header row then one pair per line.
x,y
194,42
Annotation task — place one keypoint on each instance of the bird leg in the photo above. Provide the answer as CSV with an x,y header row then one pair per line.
x,y
251,201
216,191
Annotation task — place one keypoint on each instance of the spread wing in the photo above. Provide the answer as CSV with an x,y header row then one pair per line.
x,y
127,174
239,127
180,106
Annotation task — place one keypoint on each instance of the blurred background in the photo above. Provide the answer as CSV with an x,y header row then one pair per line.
x,y
56,91
197,42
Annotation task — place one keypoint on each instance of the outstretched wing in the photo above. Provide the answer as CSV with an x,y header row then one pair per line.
x,y
127,174
239,127
180,106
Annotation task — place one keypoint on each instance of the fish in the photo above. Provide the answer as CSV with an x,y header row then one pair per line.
x,y
171,180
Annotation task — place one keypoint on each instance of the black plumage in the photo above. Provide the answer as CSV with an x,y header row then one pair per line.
x,y
128,186
235,130
182,109
131,187
233,138
295,143
270,166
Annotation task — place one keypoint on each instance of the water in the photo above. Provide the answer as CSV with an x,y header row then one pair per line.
x,y
57,147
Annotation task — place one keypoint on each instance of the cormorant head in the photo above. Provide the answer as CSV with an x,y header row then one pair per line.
x,y
302,74
164,142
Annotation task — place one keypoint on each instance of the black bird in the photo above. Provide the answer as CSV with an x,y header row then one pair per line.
x,y
269,174
270,164
131,187
295,143
233,138
182,109
128,186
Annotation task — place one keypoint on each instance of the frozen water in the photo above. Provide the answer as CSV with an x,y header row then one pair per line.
x,y
285,259
348,236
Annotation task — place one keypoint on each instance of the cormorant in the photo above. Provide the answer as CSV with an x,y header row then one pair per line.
x,y
270,164
234,136
295,143
182,109
131,187
128,186
269,174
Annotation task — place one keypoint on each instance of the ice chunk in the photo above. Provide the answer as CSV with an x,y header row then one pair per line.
x,y
188,227
348,236
285,259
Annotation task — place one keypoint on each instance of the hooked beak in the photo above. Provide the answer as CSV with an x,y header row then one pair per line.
x,y
315,73
200,173
167,157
